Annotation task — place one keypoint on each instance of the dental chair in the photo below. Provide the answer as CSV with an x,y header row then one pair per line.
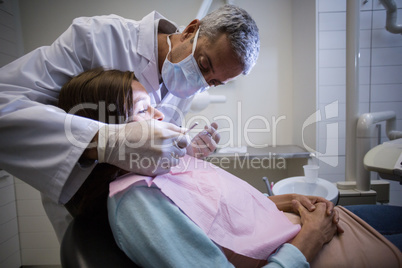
x,y
90,244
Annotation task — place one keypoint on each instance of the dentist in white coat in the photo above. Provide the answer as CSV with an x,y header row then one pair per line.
x,y
54,152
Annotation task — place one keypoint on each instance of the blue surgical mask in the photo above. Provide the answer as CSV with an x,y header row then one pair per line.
x,y
183,79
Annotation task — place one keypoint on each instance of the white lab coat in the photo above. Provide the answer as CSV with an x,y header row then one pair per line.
x,y
34,143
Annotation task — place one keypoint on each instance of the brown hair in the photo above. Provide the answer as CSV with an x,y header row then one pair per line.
x,y
102,95
105,96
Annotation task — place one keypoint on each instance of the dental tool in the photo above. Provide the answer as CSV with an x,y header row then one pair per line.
x,y
176,142
193,126
269,187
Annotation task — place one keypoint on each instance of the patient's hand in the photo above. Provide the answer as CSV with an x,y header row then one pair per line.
x,y
309,202
318,229
318,219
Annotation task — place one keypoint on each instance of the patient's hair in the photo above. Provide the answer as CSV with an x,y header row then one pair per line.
x,y
241,30
106,96
102,95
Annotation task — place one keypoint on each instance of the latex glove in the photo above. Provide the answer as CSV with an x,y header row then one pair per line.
x,y
204,143
149,147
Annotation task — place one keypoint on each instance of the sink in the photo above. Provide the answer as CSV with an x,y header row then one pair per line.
x,y
298,185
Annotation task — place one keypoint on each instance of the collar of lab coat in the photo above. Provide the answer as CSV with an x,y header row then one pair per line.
x,y
146,44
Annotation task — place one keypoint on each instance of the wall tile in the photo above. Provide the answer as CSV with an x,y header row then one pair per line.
x,y
341,113
364,75
325,168
7,33
386,74
26,192
7,212
333,177
365,39
12,261
41,256
331,147
331,6
323,126
387,106
387,56
7,194
332,21
5,179
7,19
395,193
364,93
9,248
365,57
30,208
382,93
365,20
10,47
8,230
332,58
332,76
329,94
34,224
379,18
332,40
383,38
38,240
364,107
366,5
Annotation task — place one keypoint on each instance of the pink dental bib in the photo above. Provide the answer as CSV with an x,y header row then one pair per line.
x,y
230,211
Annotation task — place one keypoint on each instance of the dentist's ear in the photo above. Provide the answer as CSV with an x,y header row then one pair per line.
x,y
190,29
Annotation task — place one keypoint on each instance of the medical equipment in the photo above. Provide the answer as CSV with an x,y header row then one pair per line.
x,y
392,14
269,185
202,100
386,159
190,128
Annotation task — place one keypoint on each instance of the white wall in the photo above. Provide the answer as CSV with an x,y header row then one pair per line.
x,y
9,238
380,75
263,99
304,71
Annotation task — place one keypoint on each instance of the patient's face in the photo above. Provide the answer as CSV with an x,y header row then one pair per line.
x,y
142,109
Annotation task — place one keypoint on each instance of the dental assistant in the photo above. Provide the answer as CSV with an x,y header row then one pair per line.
x,y
55,152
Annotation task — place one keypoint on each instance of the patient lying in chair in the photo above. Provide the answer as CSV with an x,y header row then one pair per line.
x,y
198,215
